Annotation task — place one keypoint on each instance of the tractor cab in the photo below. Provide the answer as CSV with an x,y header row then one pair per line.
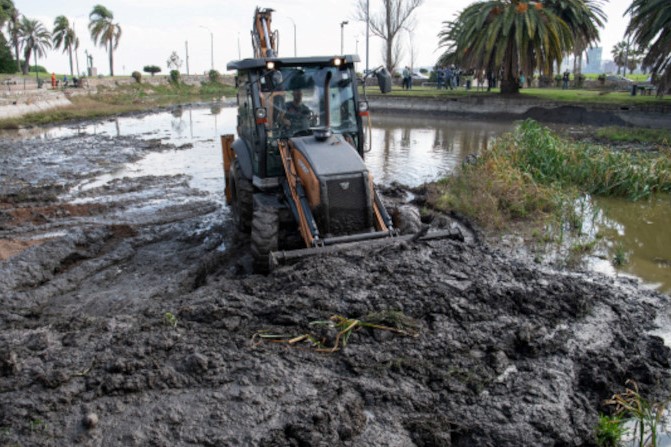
x,y
280,99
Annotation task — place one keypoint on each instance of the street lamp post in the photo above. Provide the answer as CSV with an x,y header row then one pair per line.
x,y
342,36
367,30
294,23
211,46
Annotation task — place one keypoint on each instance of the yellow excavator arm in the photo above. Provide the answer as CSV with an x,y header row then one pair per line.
x,y
264,40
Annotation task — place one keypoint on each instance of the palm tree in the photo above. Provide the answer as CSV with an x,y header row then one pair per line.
x,y
583,17
619,53
35,38
106,32
7,9
14,30
650,27
64,35
514,36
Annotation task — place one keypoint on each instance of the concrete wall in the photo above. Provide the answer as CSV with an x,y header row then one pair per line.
x,y
18,103
511,108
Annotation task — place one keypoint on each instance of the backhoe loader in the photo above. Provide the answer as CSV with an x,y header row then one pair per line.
x,y
295,175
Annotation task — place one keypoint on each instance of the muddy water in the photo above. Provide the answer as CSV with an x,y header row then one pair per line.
x,y
638,233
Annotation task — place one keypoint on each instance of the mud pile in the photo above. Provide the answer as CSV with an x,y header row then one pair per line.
x,y
139,324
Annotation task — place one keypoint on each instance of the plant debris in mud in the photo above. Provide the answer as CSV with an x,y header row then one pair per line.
x,y
344,328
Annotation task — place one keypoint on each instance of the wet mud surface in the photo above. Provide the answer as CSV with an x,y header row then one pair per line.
x,y
128,316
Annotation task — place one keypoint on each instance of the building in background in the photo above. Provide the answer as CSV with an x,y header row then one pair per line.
x,y
593,60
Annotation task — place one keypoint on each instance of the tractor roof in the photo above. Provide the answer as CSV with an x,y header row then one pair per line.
x,y
250,64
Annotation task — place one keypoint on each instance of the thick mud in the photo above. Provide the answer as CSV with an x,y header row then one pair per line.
x,y
128,316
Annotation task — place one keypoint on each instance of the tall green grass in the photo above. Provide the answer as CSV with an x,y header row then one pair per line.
x,y
533,174
592,169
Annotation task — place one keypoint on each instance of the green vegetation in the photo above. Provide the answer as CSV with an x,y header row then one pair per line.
x,y
170,319
35,38
518,37
153,69
650,27
620,257
645,415
64,36
661,137
104,32
532,174
610,430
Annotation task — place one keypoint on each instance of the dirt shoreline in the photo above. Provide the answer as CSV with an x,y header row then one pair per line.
x,y
133,322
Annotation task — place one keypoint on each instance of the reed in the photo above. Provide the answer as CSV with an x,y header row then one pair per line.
x,y
531,174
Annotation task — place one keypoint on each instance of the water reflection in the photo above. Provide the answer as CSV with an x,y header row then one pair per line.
x,y
639,230
413,150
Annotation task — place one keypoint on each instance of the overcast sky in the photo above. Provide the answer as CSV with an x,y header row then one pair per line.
x,y
152,29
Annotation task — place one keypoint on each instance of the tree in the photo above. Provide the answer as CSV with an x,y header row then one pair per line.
x,y
7,12
104,32
35,38
627,56
619,53
510,36
583,17
64,35
6,8
174,61
14,30
153,69
395,16
650,27
7,64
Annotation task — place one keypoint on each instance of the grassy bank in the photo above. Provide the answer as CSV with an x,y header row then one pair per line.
x,y
533,175
122,99
576,96
659,137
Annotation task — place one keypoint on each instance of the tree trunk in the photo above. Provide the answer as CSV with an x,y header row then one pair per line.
x,y
26,63
510,84
111,59
18,61
71,66
77,61
390,42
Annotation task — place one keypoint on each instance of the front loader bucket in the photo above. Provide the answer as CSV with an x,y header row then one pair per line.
x,y
359,241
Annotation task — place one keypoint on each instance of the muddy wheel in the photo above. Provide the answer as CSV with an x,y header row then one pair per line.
x,y
265,226
242,192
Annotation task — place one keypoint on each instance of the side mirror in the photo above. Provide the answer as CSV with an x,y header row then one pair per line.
x,y
383,80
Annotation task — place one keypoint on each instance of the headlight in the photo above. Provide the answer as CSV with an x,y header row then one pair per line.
x,y
261,115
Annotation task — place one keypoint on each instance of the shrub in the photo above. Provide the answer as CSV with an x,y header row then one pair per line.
x,y
174,77
137,76
153,69
214,76
39,68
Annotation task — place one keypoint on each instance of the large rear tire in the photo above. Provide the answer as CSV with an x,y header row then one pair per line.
x,y
242,194
265,227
